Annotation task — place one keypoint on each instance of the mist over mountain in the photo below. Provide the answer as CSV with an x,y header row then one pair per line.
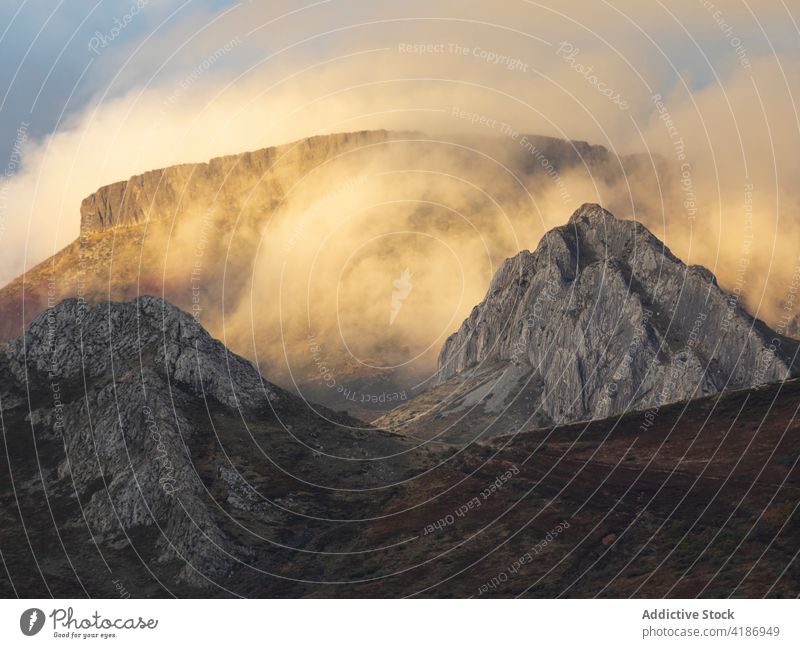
x,y
368,299
143,452
290,254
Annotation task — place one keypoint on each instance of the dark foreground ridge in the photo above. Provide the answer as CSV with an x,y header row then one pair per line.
x,y
601,319
143,455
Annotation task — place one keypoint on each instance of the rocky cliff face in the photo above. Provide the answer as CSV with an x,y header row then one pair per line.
x,y
178,191
152,424
174,192
599,320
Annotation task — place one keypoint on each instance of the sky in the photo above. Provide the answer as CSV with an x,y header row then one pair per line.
x,y
50,74
94,92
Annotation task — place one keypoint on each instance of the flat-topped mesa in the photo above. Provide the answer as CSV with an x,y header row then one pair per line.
x,y
167,193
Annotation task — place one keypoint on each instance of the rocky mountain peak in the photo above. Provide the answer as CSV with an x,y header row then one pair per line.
x,y
139,413
598,234
74,339
591,214
599,320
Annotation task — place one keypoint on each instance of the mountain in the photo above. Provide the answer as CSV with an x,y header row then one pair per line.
x,y
142,459
152,428
238,239
125,228
601,319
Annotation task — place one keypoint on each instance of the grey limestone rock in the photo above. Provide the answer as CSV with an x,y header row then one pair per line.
x,y
599,320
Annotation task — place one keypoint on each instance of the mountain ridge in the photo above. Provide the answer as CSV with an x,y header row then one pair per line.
x,y
600,319
149,195
197,235
136,412
141,451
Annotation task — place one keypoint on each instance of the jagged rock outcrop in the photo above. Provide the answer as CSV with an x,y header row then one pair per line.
x,y
76,340
149,411
176,190
144,367
599,320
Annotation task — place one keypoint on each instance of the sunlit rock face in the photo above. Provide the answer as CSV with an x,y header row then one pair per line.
x,y
339,263
599,320
149,422
262,177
